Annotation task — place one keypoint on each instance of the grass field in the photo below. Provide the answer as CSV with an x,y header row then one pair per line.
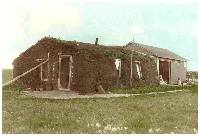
x,y
157,114
7,75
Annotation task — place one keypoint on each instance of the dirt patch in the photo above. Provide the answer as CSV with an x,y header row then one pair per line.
x,y
70,95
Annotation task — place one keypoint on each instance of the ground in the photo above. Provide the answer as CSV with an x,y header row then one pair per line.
x,y
70,94
158,113
145,114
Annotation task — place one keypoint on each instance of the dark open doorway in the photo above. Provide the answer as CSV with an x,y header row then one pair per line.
x,y
164,70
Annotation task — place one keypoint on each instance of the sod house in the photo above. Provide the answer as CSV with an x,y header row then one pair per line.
x,y
56,64
169,65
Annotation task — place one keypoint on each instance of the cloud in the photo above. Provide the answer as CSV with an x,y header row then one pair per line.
x,y
137,29
11,29
43,15
190,28
9,56
196,28
179,28
11,22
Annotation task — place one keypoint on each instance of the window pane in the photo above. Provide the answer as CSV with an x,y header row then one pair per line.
x,y
44,75
117,64
44,71
44,66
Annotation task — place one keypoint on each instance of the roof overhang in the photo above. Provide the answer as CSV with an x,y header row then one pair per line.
x,y
154,54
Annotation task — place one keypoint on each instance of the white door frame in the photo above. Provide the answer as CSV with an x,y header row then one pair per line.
x,y
70,66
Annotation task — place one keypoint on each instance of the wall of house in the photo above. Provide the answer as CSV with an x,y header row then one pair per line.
x,y
91,66
26,61
177,71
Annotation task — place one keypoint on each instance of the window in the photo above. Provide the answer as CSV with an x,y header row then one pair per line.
x,y
118,66
138,67
44,71
184,64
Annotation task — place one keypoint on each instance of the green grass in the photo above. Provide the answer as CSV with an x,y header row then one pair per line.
x,y
171,112
148,89
7,75
158,113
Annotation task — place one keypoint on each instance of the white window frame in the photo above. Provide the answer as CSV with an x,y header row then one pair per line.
x,y
138,67
46,79
185,64
118,65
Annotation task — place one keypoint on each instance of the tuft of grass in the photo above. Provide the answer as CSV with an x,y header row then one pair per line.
x,y
70,44
109,53
13,87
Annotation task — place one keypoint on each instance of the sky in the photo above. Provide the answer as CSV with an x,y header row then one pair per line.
x,y
170,26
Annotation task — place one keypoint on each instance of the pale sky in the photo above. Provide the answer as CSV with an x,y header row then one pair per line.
x,y
170,26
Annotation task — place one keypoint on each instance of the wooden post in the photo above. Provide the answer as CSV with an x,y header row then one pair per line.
x,y
131,69
49,75
169,72
120,68
96,42
157,62
49,69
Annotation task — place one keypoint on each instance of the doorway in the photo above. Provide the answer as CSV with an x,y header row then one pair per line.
x,y
164,70
64,72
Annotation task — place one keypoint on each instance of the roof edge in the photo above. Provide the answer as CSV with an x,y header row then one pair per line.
x,y
137,44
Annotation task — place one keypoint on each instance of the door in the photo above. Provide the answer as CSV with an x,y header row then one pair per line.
x,y
164,70
64,72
